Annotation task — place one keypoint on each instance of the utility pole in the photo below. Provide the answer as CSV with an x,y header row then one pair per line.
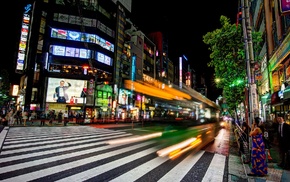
x,y
248,44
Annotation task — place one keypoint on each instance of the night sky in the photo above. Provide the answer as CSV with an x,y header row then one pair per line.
x,y
183,21
11,38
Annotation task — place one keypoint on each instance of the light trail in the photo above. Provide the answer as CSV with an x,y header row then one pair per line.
x,y
176,147
134,139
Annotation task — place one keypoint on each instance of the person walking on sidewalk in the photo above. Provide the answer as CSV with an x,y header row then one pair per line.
x,y
42,118
18,117
51,116
284,142
59,116
65,118
258,158
244,138
24,117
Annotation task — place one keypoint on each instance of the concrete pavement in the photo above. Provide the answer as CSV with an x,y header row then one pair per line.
x,y
238,170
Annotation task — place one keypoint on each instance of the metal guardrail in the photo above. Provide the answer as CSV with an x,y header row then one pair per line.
x,y
242,142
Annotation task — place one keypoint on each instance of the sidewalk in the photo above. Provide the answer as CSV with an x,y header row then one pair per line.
x,y
238,170
37,123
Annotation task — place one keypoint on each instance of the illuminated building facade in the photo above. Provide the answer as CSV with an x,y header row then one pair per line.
x,y
74,42
87,57
272,70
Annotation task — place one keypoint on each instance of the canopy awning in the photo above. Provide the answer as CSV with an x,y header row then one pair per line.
x,y
268,101
275,99
286,94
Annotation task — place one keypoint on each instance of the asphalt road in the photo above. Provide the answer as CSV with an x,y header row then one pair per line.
x,y
119,152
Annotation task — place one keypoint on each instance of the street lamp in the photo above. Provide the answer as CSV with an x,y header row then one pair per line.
x,y
217,80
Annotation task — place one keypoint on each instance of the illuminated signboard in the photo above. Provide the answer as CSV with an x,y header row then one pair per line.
x,y
81,37
133,73
102,58
180,72
70,52
71,89
24,38
285,6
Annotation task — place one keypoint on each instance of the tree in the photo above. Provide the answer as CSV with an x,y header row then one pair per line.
x,y
4,87
228,59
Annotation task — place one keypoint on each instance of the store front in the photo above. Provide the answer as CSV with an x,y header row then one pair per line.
x,y
286,93
279,104
103,102
125,102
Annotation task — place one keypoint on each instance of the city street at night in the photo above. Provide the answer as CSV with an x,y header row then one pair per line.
x,y
146,91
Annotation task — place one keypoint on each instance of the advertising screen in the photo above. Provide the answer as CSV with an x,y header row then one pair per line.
x,y
58,33
123,97
58,50
70,52
62,90
81,37
100,57
102,43
103,58
85,53
91,38
72,35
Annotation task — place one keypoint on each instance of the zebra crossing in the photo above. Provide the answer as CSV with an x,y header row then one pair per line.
x,y
82,153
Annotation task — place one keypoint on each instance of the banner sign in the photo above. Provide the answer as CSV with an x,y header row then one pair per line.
x,y
285,6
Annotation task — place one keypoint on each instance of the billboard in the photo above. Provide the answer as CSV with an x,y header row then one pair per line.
x,y
68,91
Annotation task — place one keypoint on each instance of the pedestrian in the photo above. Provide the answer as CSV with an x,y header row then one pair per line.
x,y
59,116
51,117
18,117
284,142
42,118
258,153
10,117
33,116
65,118
24,117
244,137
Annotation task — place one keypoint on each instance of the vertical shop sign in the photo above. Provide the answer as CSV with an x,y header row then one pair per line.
x,y
180,72
254,98
24,37
133,73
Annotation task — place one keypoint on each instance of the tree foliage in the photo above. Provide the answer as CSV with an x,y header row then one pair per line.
x,y
228,59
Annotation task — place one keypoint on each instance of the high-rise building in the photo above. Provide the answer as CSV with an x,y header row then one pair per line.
x,y
70,43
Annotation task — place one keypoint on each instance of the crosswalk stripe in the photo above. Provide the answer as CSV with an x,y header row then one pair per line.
x,y
142,169
57,168
83,154
108,166
46,152
51,140
18,132
41,138
52,144
216,168
180,170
